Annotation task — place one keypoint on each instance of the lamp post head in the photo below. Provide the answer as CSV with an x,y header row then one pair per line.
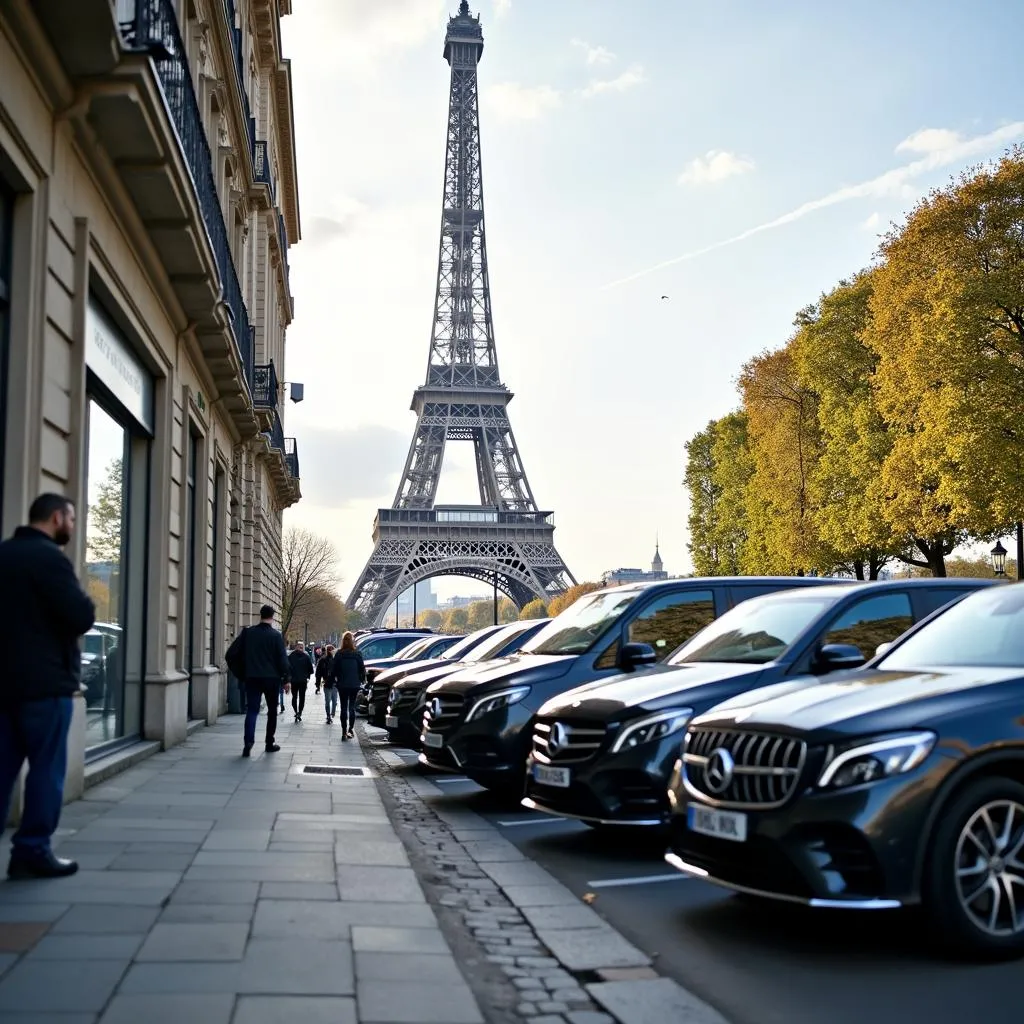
x,y
998,554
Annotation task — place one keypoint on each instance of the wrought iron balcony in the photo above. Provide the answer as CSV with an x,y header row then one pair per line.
x,y
265,387
261,165
154,30
291,457
276,433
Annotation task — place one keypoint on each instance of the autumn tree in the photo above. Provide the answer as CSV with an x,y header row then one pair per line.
x,y
535,609
480,614
430,619
100,594
704,492
308,572
105,516
319,610
455,620
558,604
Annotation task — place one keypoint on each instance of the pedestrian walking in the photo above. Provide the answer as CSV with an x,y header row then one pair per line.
x,y
348,673
317,656
323,678
43,612
259,657
300,668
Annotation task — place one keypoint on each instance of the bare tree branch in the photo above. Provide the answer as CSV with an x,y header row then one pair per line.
x,y
309,566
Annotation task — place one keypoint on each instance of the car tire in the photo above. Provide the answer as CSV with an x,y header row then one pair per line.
x,y
970,862
392,735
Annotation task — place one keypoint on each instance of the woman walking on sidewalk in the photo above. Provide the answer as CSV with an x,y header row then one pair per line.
x,y
348,673
323,678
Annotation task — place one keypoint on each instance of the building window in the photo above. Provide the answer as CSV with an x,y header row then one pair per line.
x,y
217,569
6,246
191,553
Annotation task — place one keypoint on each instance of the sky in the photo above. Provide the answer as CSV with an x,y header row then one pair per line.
x,y
739,157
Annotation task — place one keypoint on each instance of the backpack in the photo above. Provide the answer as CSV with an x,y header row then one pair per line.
x,y
235,657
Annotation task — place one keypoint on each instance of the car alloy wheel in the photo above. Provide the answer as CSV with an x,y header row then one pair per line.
x,y
990,868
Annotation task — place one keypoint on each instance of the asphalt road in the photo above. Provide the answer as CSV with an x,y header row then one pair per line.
x,y
756,965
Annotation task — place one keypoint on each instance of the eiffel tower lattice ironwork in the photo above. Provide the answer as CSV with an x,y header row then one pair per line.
x,y
505,540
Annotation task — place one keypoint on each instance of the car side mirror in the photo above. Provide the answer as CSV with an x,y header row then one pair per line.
x,y
833,657
633,656
882,648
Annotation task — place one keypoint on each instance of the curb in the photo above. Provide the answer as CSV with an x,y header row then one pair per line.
x,y
559,961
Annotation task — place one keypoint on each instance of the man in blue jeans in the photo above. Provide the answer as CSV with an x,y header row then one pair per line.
x,y
43,612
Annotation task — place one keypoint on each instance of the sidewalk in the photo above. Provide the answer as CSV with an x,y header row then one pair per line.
x,y
217,890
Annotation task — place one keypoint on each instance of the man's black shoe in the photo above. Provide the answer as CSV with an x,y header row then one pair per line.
x,y
272,748
46,865
247,750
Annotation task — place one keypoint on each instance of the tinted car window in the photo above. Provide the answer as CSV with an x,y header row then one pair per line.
x,y
739,594
984,630
672,619
385,647
871,621
579,627
934,599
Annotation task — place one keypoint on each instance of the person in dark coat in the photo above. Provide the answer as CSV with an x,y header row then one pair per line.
x,y
323,678
259,657
348,673
300,668
43,612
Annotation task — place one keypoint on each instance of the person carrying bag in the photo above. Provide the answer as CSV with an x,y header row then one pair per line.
x,y
323,678
348,672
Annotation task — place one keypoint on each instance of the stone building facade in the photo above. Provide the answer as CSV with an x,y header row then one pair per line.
x,y
148,199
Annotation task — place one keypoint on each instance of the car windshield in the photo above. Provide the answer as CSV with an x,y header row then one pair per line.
x,y
984,630
457,652
583,623
754,632
416,648
493,644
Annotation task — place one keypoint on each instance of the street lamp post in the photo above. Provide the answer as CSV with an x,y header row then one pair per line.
x,y
1020,550
998,554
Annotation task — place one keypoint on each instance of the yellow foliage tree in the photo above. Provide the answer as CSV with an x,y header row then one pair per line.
x,y
535,609
558,604
430,619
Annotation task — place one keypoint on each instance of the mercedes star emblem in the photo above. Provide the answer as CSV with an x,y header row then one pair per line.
x,y
435,708
557,738
719,770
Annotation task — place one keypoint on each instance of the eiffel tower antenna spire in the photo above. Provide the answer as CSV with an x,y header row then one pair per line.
x,y
505,540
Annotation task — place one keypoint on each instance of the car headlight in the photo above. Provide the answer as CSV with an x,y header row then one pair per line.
x,y
496,701
877,759
651,728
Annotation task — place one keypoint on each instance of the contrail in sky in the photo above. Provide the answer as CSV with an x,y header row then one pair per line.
x,y
940,148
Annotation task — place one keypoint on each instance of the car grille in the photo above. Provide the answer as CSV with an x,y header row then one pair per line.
x,y
765,771
576,743
405,701
450,709
379,693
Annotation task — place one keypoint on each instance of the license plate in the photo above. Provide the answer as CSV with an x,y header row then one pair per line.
x,y
431,739
551,776
720,824
391,721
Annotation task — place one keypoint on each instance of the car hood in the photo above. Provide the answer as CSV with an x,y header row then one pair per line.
x,y
421,680
861,702
501,672
401,669
652,690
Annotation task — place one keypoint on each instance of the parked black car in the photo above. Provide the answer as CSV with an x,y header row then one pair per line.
x,y
477,720
605,752
897,785
421,650
407,697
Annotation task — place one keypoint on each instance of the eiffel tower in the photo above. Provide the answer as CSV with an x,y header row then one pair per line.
x,y
505,540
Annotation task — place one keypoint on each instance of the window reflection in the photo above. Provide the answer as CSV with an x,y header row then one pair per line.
x,y
105,577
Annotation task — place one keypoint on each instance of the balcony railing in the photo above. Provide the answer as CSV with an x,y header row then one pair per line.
x,y
474,516
154,30
264,387
291,457
261,165
277,432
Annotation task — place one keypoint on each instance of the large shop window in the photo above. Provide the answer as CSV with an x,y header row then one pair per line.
x,y
120,418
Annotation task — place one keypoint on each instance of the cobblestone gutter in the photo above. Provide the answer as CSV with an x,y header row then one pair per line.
x,y
531,950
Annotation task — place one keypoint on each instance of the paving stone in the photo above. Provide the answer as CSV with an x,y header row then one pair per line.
x,y
588,1017
298,891
652,1002
380,852
48,1018
516,873
528,983
553,1007
169,1009
171,978
87,947
579,916
387,885
369,939
549,1018
297,967
17,937
627,973
526,1009
28,912
84,985
322,871
7,961
243,860
322,919
569,995
587,949
237,839
432,967
216,892
552,895
295,1010
99,920
494,851
207,913
417,1002
150,862
194,942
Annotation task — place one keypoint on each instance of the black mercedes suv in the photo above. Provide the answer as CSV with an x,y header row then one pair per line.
x,y
899,784
407,697
477,720
604,752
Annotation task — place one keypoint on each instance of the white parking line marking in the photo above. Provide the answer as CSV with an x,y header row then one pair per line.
x,y
451,778
610,883
549,820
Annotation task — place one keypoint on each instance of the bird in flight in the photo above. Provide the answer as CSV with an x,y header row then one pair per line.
x,y
664,297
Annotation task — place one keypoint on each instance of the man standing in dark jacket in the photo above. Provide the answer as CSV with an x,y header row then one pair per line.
x,y
258,656
300,668
348,673
43,612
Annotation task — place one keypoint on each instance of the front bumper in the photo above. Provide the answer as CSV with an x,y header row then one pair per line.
x,y
853,848
491,749
407,732
629,787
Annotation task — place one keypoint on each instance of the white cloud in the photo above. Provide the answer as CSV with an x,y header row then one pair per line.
x,y
594,54
894,183
929,140
873,222
502,7
716,165
521,102
634,76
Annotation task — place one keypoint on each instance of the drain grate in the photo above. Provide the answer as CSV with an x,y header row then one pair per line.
x,y
334,769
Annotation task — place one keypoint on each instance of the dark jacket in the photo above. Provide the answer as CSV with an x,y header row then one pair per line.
x,y
348,670
43,612
300,667
265,654
323,669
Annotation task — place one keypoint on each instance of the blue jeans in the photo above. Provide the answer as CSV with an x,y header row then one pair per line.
x,y
255,691
331,700
36,731
348,708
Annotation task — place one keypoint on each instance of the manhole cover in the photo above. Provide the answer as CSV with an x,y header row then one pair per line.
x,y
334,769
